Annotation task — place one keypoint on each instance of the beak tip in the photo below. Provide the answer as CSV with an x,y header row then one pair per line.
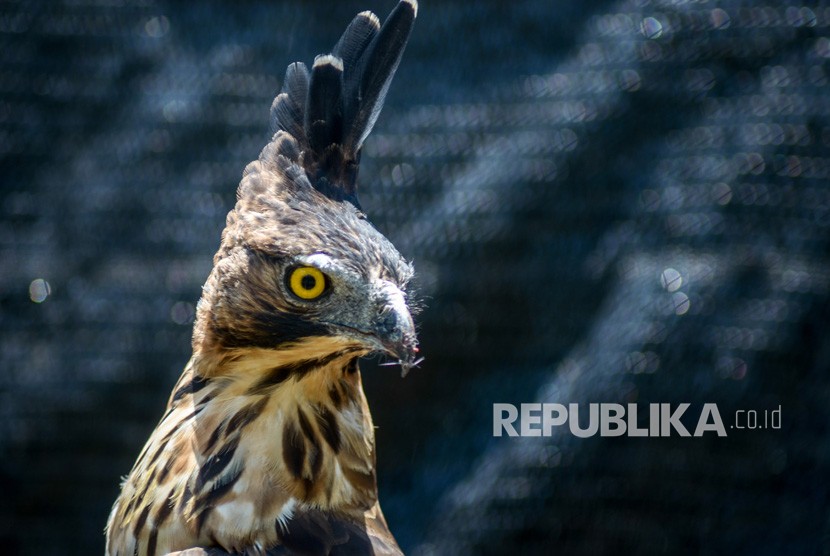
x,y
408,364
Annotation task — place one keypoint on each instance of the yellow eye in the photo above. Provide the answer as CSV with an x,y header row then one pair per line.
x,y
306,282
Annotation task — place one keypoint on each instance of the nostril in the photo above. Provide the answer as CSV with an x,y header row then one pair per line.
x,y
388,320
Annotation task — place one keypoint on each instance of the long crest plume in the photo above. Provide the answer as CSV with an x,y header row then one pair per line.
x,y
330,110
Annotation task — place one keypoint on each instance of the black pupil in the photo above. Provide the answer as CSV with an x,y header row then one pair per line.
x,y
308,282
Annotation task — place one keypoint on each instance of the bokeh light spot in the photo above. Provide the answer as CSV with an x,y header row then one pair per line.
x,y
182,313
39,290
651,28
157,27
681,303
671,280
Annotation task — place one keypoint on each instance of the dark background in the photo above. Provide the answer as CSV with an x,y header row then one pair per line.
x,y
550,167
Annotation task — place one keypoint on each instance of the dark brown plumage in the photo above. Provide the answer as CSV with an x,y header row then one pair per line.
x,y
267,445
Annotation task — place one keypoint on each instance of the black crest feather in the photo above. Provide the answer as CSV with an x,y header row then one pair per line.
x,y
324,108
331,110
288,109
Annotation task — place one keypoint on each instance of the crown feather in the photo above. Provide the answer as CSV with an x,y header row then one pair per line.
x,y
369,83
357,36
288,109
330,110
324,108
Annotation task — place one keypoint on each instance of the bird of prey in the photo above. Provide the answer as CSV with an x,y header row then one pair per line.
x,y
267,445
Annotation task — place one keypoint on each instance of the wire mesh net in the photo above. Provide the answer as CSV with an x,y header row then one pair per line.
x,y
605,202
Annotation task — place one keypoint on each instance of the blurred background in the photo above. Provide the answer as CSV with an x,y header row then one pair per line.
x,y
607,201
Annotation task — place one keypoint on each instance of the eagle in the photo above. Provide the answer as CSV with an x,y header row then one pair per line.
x,y
267,445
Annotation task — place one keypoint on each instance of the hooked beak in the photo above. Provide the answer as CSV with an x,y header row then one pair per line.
x,y
386,325
395,329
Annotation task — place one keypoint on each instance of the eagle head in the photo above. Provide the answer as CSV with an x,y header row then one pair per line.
x,y
299,264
